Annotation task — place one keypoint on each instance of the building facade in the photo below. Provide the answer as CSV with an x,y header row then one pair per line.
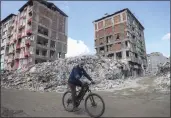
x,y
5,34
154,60
38,33
121,36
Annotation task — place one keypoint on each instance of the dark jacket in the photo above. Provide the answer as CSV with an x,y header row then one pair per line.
x,y
77,73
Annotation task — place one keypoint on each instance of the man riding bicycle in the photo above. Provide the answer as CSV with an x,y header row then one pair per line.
x,y
74,80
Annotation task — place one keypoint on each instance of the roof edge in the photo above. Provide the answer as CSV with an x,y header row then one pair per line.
x,y
110,15
126,9
6,18
28,2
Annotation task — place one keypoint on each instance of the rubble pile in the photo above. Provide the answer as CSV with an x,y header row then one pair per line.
x,y
163,77
162,83
164,69
53,76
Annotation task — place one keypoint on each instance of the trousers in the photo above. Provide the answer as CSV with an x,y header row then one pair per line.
x,y
72,86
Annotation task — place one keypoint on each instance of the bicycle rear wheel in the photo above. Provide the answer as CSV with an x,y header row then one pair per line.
x,y
67,100
93,103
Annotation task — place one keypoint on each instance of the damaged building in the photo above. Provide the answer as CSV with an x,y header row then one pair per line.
x,y
120,36
38,33
154,60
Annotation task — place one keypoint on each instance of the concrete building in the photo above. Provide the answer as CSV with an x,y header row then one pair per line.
x,y
38,33
154,60
5,34
121,36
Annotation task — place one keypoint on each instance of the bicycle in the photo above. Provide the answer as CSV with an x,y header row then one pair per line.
x,y
89,96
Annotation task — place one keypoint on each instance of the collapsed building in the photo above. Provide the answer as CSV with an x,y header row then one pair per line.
x,y
38,33
51,75
120,36
107,73
155,60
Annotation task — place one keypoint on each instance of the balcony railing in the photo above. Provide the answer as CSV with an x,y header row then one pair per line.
x,y
9,60
11,41
17,55
18,46
6,58
15,39
22,45
29,20
28,42
8,42
29,32
23,34
19,36
26,54
11,51
21,56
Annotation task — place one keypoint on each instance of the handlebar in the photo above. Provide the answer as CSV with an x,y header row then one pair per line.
x,y
88,83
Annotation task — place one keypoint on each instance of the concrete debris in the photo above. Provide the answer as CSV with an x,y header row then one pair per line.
x,y
163,82
163,69
50,76
163,77
108,75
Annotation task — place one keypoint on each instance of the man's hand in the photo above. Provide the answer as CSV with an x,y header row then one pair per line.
x,y
92,82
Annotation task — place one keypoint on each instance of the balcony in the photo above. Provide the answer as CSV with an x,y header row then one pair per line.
x,y
23,16
21,56
29,20
16,56
9,60
8,33
29,32
15,39
6,58
21,26
8,42
18,47
27,43
11,51
19,36
22,45
23,35
11,41
11,26
26,54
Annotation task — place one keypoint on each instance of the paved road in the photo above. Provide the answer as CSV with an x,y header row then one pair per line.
x,y
27,103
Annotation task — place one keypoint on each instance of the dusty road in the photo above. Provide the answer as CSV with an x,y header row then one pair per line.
x,y
27,103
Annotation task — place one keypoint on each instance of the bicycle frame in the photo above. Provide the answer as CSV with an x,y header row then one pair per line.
x,y
83,94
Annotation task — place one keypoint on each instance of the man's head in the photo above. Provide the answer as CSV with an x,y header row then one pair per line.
x,y
81,64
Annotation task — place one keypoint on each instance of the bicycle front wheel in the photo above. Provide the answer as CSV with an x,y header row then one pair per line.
x,y
94,105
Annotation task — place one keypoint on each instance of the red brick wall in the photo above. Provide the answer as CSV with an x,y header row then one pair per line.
x,y
116,28
117,18
124,16
117,46
108,30
108,22
100,24
101,33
